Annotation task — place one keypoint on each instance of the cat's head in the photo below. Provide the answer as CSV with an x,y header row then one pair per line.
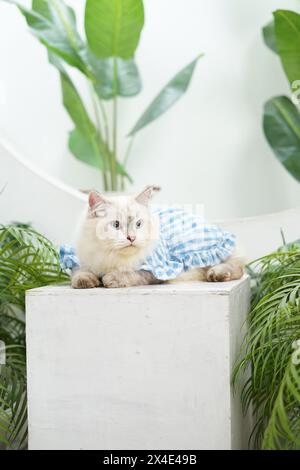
x,y
124,223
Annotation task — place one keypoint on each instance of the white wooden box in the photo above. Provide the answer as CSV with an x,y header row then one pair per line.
x,y
138,368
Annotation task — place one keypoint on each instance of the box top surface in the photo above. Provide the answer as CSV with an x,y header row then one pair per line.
x,y
192,287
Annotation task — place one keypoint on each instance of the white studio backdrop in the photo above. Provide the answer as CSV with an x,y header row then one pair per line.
x,y
209,148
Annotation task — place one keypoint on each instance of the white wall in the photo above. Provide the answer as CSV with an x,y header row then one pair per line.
x,y
209,148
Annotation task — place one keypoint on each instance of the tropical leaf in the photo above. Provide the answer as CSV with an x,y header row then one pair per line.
x,y
83,149
86,133
85,141
85,128
54,24
121,171
287,30
75,107
113,27
127,82
269,36
282,129
171,93
42,7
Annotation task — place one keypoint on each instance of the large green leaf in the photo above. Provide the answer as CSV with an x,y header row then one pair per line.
x,y
113,27
81,147
282,129
85,149
53,23
287,30
85,142
42,7
121,171
167,97
75,107
85,128
101,71
269,36
128,82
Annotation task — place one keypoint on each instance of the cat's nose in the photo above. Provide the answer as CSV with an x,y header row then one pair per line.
x,y
131,238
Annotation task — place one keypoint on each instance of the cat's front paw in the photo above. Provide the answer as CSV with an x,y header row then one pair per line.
x,y
219,273
115,279
85,281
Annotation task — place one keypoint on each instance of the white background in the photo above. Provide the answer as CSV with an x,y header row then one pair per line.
x,y
209,148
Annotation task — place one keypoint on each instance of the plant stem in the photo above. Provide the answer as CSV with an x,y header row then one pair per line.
x,y
108,155
105,121
128,151
98,125
115,131
96,111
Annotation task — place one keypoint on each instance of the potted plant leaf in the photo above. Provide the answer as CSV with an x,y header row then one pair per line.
x,y
281,119
106,58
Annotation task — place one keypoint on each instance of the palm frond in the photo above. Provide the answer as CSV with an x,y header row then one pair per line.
x,y
27,260
274,325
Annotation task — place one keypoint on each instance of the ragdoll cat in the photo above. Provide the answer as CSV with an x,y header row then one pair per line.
x,y
123,243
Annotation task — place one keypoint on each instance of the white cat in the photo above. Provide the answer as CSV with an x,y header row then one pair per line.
x,y
117,236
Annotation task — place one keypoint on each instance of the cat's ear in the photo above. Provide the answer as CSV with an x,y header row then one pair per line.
x,y
96,201
145,196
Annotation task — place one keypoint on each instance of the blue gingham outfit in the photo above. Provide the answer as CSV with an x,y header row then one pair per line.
x,y
186,241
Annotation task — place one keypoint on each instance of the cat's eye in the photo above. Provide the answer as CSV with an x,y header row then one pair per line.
x,y
116,224
139,223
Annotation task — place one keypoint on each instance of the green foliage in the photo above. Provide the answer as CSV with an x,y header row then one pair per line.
x,y
54,25
271,352
282,130
167,97
287,32
27,260
269,36
106,59
127,83
113,27
281,120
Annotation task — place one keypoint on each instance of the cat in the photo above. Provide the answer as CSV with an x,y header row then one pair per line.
x,y
116,237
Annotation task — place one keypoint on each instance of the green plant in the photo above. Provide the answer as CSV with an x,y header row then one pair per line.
x,y
106,59
27,260
271,350
281,120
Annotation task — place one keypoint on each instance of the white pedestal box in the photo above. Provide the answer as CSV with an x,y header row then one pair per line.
x,y
138,368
